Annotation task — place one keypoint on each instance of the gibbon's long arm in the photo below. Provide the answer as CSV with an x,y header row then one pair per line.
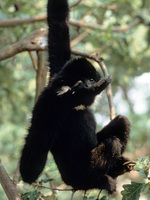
x,y
34,155
39,140
58,35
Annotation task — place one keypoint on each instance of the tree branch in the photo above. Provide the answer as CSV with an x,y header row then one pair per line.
x,y
18,21
36,41
123,28
80,24
7,184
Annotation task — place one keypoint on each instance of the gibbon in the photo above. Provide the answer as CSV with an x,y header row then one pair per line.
x,y
63,123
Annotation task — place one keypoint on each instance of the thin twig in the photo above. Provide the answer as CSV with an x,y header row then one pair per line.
x,y
108,91
16,174
33,61
45,187
75,4
79,38
99,194
52,185
40,75
72,195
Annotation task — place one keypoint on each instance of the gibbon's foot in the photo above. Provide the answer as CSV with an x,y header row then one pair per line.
x,y
129,165
122,166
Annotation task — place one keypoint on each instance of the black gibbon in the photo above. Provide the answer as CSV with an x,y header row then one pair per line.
x,y
63,123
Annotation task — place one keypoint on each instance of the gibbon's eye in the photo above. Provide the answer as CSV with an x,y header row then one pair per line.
x,y
91,79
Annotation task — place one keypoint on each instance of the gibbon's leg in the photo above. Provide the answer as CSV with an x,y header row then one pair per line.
x,y
119,128
106,158
105,155
112,141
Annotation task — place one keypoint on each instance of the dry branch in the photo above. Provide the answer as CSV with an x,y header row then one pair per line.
x,y
18,21
123,28
40,75
8,185
80,24
79,38
75,4
33,61
36,41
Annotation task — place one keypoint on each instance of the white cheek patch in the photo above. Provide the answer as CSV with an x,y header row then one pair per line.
x,y
63,90
80,107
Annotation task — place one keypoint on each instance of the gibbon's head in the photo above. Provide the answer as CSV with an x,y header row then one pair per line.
x,y
79,69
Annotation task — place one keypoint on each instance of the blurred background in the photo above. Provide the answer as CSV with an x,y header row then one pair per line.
x,y
119,32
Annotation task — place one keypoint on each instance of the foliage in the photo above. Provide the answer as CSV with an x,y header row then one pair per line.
x,y
135,189
35,195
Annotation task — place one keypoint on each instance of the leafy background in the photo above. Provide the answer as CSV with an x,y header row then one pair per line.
x,y
126,54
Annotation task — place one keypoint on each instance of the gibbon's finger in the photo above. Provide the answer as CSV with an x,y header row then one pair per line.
x,y
77,85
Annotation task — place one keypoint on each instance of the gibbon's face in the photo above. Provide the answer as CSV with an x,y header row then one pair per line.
x,y
82,70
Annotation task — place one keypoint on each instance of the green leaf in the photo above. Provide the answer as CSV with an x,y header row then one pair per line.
x,y
132,191
142,166
31,195
34,195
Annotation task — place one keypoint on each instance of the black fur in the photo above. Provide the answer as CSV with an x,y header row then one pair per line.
x,y
63,123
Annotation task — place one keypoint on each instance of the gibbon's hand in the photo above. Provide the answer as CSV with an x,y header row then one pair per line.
x,y
96,88
101,85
